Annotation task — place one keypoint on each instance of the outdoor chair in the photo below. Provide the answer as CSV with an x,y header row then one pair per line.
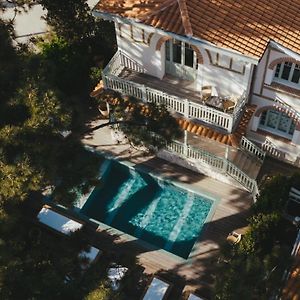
x,y
230,104
234,238
158,289
208,91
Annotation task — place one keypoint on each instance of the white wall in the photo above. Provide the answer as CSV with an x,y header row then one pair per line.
x,y
227,82
140,52
263,95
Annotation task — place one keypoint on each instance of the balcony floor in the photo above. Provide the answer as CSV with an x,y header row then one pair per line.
x,y
171,85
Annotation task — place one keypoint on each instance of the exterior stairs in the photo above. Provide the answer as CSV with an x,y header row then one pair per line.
x,y
205,131
224,138
242,128
247,163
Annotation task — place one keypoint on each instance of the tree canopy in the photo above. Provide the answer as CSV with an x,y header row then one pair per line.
x,y
257,263
44,93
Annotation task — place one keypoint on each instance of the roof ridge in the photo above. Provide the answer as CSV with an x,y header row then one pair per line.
x,y
166,4
185,17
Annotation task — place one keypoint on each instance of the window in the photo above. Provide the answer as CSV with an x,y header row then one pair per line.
x,y
288,71
278,123
189,56
181,53
177,52
296,74
168,50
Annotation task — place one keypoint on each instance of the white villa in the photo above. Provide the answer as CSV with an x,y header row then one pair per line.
x,y
229,70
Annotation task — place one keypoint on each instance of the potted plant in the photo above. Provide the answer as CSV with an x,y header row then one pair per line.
x,y
103,107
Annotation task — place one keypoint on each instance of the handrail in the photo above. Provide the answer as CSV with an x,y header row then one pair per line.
x,y
221,164
272,149
252,149
239,108
289,107
186,107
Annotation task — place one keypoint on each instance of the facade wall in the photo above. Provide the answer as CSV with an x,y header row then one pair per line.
x,y
134,43
227,82
264,93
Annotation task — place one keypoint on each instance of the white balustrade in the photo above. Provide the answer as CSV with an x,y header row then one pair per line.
x,y
272,149
210,115
183,106
252,149
221,165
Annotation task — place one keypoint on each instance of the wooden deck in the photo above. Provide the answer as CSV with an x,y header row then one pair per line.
x,y
230,212
171,85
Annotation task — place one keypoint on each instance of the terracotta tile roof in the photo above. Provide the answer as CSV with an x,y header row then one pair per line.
x,y
242,25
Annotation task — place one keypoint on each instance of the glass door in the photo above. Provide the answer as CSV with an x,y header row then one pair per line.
x,y
278,123
181,60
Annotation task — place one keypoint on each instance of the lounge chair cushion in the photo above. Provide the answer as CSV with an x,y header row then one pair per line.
x,y
156,290
57,221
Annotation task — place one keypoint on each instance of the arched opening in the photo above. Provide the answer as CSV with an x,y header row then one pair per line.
x,y
287,71
182,59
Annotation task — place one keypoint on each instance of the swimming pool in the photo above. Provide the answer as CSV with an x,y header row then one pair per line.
x,y
148,208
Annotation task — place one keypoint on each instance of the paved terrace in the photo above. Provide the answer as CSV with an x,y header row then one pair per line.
x,y
230,213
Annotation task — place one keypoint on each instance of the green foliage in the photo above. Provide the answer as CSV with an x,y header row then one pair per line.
x,y
262,234
144,124
9,63
257,263
102,292
273,195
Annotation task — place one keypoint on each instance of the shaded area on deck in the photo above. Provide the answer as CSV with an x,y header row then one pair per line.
x,y
169,84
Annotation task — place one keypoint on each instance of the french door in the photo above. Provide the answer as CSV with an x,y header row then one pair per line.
x,y
278,123
181,60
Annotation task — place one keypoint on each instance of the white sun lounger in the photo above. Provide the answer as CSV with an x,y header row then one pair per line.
x,y
194,297
91,256
57,221
157,290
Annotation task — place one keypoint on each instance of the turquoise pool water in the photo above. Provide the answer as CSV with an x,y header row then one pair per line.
x,y
148,208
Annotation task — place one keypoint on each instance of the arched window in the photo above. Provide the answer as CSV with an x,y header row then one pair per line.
x,y
278,123
287,72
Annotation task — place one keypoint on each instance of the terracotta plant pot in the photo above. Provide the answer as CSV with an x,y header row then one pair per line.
x,y
104,109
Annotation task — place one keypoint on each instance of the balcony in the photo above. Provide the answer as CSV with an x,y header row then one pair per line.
x,y
124,75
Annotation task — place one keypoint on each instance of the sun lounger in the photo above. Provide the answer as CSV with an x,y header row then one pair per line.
x,y
58,222
158,289
194,297
89,256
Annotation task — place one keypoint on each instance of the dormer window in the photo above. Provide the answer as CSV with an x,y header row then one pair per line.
x,y
288,71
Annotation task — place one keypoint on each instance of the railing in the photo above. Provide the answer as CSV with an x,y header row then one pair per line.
x,y
272,149
121,60
183,106
221,165
293,113
252,149
238,110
